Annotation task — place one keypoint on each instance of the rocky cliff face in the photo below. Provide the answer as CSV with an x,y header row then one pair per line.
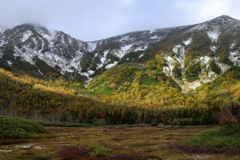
x,y
194,54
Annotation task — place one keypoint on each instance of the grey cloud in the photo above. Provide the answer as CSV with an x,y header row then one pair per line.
x,y
98,19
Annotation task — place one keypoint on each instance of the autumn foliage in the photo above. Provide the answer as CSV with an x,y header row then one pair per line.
x,y
141,93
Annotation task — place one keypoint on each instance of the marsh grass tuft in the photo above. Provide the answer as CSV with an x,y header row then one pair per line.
x,y
100,151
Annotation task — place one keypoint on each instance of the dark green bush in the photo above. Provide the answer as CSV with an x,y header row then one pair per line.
x,y
99,122
192,72
13,127
100,151
215,68
177,72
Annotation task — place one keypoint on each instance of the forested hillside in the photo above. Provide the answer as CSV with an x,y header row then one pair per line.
x,y
148,87
135,103
36,99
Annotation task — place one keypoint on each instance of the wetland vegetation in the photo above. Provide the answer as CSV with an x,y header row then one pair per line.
x,y
113,141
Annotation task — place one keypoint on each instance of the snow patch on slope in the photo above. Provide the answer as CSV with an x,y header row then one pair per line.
x,y
126,48
87,74
48,34
140,48
212,74
154,37
187,42
234,54
191,85
1,53
141,55
51,59
205,59
27,56
152,31
180,53
222,66
121,52
235,57
171,64
134,47
232,45
3,42
213,35
26,35
92,46
213,48
103,58
124,38
76,60
49,37
197,28
9,62
65,64
111,65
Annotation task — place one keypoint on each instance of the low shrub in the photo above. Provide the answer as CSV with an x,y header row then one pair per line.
x,y
13,127
223,137
99,122
100,151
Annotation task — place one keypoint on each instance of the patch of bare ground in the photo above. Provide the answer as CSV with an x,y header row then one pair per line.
x,y
152,143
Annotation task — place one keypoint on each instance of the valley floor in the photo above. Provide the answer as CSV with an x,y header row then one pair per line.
x,y
150,142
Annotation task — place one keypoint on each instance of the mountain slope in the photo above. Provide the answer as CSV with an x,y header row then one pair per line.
x,y
198,53
70,55
194,54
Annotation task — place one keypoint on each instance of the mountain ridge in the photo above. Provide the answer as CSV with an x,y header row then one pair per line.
x,y
76,58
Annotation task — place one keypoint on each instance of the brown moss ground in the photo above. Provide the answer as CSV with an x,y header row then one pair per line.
x,y
146,141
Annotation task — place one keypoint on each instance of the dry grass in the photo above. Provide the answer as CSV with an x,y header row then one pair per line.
x,y
151,142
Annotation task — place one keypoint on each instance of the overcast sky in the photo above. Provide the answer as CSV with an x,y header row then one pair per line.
x,y
90,20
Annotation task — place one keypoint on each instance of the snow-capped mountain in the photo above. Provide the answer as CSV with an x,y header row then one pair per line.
x,y
72,55
53,47
216,41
